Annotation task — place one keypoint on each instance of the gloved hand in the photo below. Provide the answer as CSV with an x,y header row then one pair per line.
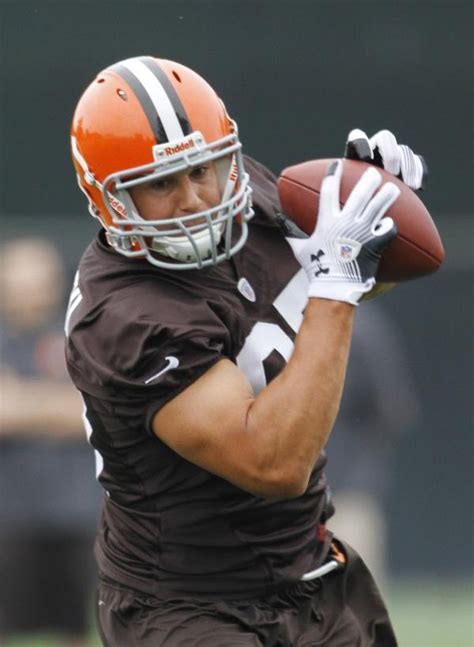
x,y
341,256
383,150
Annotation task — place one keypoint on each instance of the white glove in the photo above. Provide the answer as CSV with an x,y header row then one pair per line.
x,y
341,256
383,150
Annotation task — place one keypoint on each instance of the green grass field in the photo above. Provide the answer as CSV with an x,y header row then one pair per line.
x,y
433,613
425,613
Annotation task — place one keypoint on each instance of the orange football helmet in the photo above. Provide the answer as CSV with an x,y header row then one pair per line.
x,y
143,119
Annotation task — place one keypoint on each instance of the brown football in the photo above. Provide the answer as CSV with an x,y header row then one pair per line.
x,y
416,251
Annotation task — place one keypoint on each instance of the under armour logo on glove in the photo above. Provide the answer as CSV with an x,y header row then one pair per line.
x,y
316,258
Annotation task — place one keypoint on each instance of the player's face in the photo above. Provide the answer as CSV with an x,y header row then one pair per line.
x,y
181,194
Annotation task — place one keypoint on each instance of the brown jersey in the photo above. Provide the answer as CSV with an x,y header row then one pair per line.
x,y
138,336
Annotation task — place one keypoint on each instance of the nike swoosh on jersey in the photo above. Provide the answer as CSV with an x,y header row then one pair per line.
x,y
173,362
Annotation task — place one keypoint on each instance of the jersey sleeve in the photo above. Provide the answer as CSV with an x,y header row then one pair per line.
x,y
172,359
137,360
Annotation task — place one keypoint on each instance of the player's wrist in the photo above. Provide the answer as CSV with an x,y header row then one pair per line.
x,y
346,291
333,306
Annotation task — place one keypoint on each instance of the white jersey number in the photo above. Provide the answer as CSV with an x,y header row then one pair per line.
x,y
264,338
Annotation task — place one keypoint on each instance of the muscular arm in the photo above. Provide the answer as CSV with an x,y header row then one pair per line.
x,y
266,444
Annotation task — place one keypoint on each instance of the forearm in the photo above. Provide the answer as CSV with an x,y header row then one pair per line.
x,y
290,420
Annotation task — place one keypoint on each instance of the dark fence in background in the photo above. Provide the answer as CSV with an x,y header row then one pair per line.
x,y
297,75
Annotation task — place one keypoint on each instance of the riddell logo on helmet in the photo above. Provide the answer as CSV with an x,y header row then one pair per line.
x,y
183,146
116,205
234,172
193,143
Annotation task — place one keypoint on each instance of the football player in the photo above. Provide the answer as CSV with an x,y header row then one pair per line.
x,y
209,341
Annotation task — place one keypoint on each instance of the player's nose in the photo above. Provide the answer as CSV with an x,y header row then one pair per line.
x,y
189,199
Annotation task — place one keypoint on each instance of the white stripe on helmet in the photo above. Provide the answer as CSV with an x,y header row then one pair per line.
x,y
158,96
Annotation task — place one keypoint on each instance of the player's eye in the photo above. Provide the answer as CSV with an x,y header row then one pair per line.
x,y
200,171
161,184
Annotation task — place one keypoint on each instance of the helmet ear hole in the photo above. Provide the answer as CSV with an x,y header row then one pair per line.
x,y
176,76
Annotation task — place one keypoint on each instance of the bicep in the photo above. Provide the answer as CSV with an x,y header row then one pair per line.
x,y
207,423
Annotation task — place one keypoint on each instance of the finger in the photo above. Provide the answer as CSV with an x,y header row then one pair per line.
x,y
358,146
388,232
380,204
411,167
387,146
362,192
425,172
330,186
384,226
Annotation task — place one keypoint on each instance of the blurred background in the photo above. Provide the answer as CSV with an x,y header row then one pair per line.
x,y
297,75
